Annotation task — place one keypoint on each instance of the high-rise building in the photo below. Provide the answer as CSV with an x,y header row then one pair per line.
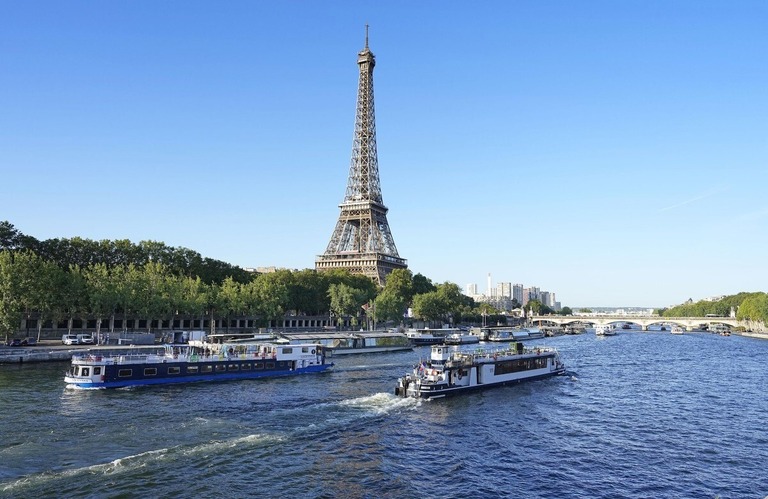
x,y
517,293
362,241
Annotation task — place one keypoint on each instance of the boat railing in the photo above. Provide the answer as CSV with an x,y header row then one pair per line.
x,y
467,358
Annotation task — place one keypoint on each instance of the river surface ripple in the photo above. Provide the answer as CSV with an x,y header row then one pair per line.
x,y
638,415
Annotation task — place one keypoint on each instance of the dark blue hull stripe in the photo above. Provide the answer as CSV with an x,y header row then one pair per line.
x,y
429,394
221,376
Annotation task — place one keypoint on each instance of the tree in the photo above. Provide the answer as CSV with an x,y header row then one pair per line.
x,y
346,301
12,239
422,285
10,307
392,301
266,297
754,308
429,306
566,311
103,290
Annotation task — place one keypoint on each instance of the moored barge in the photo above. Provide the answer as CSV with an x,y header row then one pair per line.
x,y
184,363
450,372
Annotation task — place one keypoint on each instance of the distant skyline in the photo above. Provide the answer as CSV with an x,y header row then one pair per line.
x,y
615,153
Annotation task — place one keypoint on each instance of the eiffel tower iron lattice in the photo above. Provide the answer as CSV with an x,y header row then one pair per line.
x,y
362,241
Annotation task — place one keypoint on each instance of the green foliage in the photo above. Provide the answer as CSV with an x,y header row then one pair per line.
x,y
347,301
85,253
566,311
754,307
702,308
422,285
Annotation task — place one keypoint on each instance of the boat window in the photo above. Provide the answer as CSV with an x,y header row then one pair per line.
x,y
125,373
233,367
174,370
192,369
150,371
287,350
86,372
220,368
97,370
258,365
207,368
246,367
270,365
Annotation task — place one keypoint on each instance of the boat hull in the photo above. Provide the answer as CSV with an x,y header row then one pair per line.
x,y
74,382
140,380
459,390
363,350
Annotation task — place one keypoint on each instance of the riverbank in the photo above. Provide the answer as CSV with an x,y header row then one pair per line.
x,y
49,351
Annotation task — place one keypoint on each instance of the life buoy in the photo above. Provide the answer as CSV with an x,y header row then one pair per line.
x,y
102,378
313,350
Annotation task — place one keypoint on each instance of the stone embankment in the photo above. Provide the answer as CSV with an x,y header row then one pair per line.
x,y
51,350
16,355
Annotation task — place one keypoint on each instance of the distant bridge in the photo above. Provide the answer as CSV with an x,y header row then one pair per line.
x,y
689,323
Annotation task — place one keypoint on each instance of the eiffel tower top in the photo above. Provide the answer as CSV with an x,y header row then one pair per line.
x,y
366,55
363,183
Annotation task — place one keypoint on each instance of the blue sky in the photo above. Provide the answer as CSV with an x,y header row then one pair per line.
x,y
613,152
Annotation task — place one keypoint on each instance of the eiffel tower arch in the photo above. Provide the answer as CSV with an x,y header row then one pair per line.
x,y
362,241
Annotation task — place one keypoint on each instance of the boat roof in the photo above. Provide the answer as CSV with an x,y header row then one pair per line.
x,y
325,335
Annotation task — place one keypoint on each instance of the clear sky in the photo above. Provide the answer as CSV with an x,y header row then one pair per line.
x,y
613,152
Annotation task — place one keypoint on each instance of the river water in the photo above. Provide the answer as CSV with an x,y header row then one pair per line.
x,y
639,415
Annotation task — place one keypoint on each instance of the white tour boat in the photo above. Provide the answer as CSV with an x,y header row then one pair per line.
x,y
450,372
429,336
605,330
461,338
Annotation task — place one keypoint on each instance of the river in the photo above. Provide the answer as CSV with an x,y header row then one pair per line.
x,y
640,414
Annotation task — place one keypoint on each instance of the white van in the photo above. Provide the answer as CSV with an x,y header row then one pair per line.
x,y
70,339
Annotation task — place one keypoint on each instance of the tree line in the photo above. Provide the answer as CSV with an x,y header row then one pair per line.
x,y
64,279
748,306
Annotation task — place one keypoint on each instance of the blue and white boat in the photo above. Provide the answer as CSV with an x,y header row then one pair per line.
x,y
450,371
429,336
185,363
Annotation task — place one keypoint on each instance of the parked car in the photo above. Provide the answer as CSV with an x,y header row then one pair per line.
x,y
85,339
15,342
29,342
70,339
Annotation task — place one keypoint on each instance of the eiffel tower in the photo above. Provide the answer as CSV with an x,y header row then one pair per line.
x,y
362,242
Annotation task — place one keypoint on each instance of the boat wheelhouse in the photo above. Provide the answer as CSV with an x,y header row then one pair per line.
x,y
187,363
450,372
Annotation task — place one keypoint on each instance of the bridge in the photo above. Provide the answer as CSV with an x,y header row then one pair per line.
x,y
689,323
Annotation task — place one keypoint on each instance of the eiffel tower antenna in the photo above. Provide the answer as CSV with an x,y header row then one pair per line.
x,y
362,242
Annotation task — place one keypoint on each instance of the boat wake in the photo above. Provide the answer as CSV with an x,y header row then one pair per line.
x,y
133,463
380,403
